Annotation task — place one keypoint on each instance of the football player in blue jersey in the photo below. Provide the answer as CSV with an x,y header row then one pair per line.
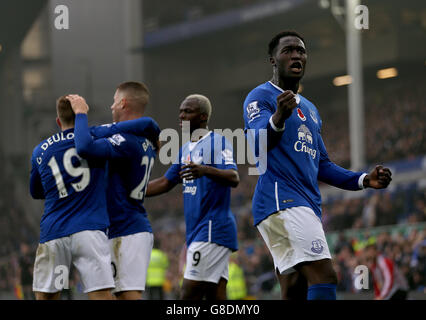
x,y
75,215
130,160
287,201
207,171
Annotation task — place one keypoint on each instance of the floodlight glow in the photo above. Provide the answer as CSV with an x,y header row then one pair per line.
x,y
387,73
342,80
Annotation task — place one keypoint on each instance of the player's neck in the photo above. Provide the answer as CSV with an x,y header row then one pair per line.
x,y
65,128
285,84
199,133
132,116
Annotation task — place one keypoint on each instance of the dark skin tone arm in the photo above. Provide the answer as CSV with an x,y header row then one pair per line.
x,y
378,178
192,171
159,186
228,177
286,102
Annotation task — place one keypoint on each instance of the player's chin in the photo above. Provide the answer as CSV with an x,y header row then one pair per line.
x,y
295,76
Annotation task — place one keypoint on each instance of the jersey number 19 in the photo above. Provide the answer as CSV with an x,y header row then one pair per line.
x,y
74,171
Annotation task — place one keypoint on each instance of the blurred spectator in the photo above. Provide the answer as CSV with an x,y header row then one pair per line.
x,y
26,262
388,281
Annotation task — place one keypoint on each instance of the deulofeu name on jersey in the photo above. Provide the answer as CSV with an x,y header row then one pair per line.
x,y
57,138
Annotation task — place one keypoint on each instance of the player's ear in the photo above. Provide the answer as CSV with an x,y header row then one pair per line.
x,y
123,102
204,117
272,61
58,122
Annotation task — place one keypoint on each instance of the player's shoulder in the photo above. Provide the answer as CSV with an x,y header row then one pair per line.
x,y
55,141
120,139
307,102
261,92
312,109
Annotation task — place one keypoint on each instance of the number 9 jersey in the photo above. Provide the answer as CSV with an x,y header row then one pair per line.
x,y
74,188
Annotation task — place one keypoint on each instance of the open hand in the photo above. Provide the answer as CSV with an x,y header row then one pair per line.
x,y
78,104
193,171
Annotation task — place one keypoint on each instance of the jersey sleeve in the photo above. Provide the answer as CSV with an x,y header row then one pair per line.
x,y
334,175
258,121
144,126
223,155
116,146
172,173
36,187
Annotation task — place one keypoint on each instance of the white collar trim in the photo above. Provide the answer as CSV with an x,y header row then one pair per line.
x,y
275,86
192,144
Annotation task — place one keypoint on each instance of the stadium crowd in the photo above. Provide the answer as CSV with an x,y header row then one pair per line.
x,y
389,136
160,15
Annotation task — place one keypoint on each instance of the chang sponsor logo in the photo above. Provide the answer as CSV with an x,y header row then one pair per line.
x,y
191,190
304,142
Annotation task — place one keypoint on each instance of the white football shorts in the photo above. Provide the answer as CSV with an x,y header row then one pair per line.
x,y
130,256
207,261
87,250
294,235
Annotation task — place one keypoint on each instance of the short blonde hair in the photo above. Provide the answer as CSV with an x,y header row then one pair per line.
x,y
137,91
203,103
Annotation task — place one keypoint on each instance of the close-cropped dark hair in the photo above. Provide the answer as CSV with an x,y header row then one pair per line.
x,y
276,39
64,111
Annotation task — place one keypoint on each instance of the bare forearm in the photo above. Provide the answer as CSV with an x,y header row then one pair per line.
x,y
227,177
159,186
278,118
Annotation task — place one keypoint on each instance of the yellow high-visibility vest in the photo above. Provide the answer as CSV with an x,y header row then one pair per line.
x,y
236,287
156,275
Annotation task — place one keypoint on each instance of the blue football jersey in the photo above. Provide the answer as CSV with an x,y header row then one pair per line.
x,y
208,216
130,160
73,188
296,156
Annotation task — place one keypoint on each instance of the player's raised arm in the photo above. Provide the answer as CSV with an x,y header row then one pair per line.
x,y
84,143
286,102
144,126
258,118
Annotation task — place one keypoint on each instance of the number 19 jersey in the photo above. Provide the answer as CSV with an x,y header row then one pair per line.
x,y
73,188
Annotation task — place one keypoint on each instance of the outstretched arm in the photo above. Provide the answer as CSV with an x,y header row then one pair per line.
x,y
378,178
339,177
336,176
